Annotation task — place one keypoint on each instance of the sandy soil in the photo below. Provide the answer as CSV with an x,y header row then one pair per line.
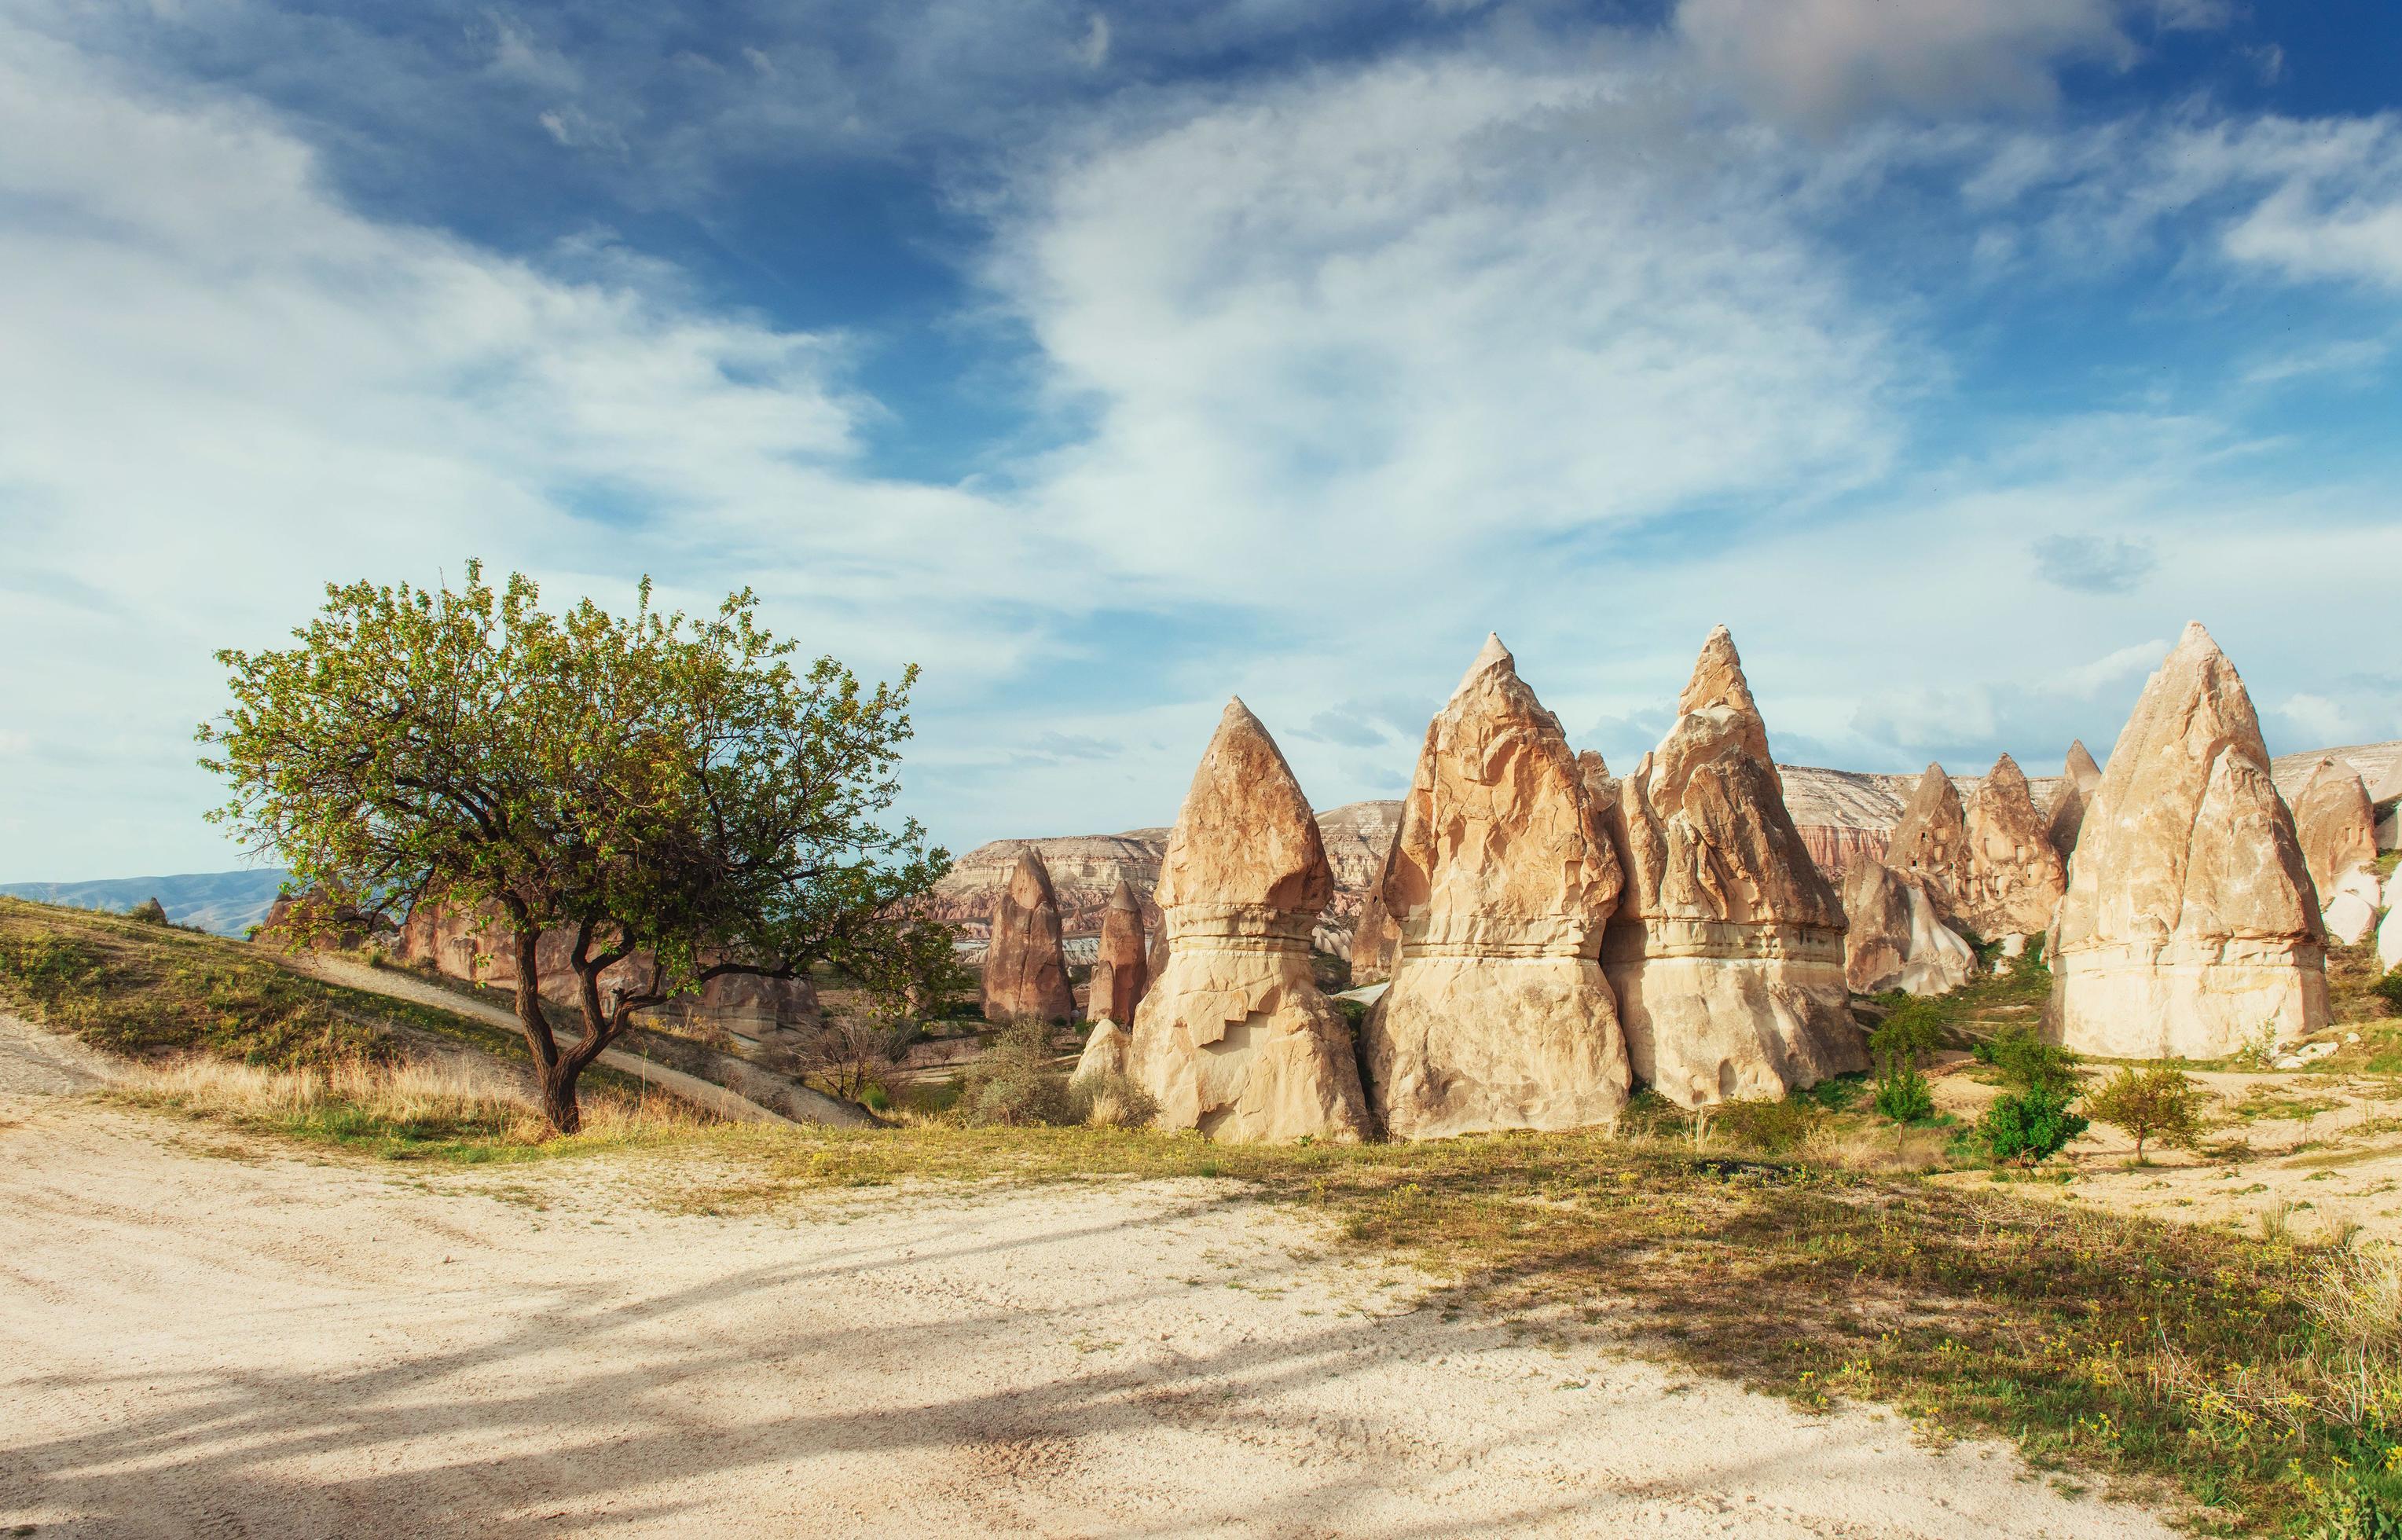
x,y
2319,1153
200,1334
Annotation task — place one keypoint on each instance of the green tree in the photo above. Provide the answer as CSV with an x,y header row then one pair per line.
x,y
2160,1100
653,787
2032,1121
1898,1047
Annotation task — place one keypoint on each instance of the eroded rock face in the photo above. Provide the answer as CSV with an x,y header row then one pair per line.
x,y
315,920
2333,822
1501,879
2078,777
2014,875
1026,967
1234,1037
1727,955
1375,942
1897,941
1122,968
1930,844
2191,926
475,945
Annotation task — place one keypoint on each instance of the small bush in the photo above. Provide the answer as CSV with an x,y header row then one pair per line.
x,y
2389,989
1899,1045
2032,1125
1015,1083
1771,1126
1110,1101
2027,1062
148,912
2160,1101
1902,1092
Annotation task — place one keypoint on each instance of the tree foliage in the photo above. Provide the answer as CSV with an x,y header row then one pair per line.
x,y
2158,1102
669,792
2032,1121
1898,1047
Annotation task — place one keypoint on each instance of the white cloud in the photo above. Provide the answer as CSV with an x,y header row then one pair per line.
x,y
226,388
2318,719
2272,198
1825,63
1387,322
2113,667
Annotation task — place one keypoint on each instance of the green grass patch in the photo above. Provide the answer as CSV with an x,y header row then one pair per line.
x,y
154,992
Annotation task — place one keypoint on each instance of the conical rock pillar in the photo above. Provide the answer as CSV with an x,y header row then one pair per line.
x,y
2190,928
2078,777
1234,1037
1500,880
2015,875
1026,963
1728,955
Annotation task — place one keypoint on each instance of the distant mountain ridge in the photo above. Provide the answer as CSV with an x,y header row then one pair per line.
x,y
226,904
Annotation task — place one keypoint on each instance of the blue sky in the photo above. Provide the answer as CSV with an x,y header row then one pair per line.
x,y
1110,359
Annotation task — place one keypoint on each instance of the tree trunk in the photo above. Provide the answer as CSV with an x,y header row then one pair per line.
x,y
558,1105
555,1074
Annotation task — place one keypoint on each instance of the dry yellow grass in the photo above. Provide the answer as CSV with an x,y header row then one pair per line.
x,y
458,1107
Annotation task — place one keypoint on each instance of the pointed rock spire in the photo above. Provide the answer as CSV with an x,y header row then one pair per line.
x,y
2079,768
1931,842
1026,963
1488,657
1727,955
2013,878
2078,777
2190,923
1500,880
1120,968
1232,1036
1244,834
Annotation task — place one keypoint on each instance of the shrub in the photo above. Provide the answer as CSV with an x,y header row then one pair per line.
x,y
1899,1045
1014,1082
1110,1101
1902,1092
148,912
2389,989
2027,1062
2032,1125
2156,1101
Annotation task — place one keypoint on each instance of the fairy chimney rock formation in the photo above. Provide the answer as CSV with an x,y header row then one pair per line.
x,y
2014,875
1373,940
1931,841
2190,928
2078,777
1123,967
1727,955
2339,839
1896,940
1233,1038
1501,879
1026,967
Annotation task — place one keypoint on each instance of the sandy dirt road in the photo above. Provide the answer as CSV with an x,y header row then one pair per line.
x,y
201,1334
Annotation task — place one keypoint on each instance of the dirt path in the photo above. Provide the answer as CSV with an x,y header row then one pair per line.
x,y
692,1088
202,1335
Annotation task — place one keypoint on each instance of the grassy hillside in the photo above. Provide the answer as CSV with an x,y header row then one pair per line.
x,y
159,992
